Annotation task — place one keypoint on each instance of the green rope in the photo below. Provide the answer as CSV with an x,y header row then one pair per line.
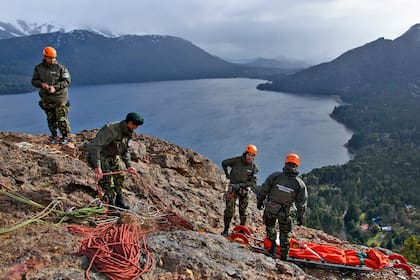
x,y
37,218
81,213
21,199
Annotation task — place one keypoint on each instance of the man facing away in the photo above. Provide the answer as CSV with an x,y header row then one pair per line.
x,y
53,79
242,176
107,151
281,190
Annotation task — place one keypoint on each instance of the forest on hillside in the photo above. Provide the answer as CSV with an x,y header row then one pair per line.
x,y
373,199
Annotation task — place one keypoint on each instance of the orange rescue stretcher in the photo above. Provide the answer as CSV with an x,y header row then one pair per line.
x,y
327,256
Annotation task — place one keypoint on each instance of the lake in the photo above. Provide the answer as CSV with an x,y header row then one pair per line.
x,y
214,117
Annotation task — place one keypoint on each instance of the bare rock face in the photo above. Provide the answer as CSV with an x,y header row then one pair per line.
x,y
209,256
180,180
177,199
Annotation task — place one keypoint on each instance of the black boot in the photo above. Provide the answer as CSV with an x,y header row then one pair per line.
x,y
284,253
53,139
226,231
272,251
64,139
110,199
120,202
242,231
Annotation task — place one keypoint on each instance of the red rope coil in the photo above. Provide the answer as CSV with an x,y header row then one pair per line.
x,y
119,252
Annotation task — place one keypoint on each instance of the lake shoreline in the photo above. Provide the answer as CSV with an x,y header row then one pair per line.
x,y
214,117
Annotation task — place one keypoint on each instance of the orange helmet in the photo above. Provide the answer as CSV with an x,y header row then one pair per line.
x,y
49,51
292,158
251,149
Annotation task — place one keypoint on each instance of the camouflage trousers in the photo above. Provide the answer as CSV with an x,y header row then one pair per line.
x,y
285,227
111,184
57,117
231,197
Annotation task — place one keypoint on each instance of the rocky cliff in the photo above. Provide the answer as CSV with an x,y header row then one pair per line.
x,y
177,199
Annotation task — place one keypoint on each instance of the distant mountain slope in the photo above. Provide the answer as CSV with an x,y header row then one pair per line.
x,y
95,59
283,63
392,64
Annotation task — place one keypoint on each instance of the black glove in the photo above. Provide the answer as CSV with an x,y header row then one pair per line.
x,y
243,185
260,206
243,189
300,221
235,187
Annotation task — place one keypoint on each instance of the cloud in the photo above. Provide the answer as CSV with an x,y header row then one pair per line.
x,y
314,30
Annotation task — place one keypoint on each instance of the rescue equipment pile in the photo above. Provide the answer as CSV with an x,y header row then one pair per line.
x,y
370,260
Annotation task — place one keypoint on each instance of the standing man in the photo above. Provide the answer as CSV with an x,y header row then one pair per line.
x,y
107,150
53,80
242,176
281,190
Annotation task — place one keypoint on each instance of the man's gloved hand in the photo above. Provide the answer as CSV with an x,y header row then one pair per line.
x,y
260,206
300,221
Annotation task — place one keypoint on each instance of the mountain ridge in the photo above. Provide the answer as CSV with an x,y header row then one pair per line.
x,y
95,59
382,63
23,28
177,200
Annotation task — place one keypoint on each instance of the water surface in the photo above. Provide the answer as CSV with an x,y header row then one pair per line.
x,y
214,117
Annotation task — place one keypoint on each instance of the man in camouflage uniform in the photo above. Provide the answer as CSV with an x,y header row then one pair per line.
x,y
53,80
107,151
242,177
280,191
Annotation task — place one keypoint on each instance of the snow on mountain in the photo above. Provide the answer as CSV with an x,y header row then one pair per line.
x,y
23,28
103,32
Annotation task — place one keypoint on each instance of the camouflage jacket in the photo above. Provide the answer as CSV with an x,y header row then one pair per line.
x,y
241,171
110,141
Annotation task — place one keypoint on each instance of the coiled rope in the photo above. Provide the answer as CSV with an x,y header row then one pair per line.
x,y
52,207
118,251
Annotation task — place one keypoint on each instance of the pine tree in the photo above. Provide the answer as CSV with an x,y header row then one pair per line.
x,y
411,250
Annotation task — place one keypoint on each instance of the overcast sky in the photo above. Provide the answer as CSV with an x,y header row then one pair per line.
x,y
311,30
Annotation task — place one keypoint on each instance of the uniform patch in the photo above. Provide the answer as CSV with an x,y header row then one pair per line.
x,y
284,188
66,75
